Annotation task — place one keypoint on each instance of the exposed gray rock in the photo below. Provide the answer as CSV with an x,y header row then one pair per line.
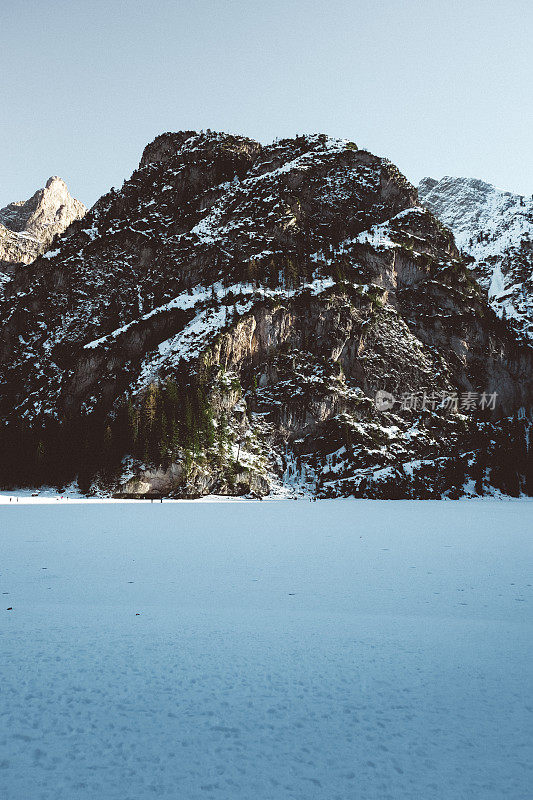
x,y
28,228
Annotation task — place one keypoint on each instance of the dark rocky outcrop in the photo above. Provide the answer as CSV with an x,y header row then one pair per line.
x,y
223,322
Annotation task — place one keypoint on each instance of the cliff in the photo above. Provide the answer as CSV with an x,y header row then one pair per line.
x,y
229,320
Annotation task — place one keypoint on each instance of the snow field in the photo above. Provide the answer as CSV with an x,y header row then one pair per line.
x,y
291,650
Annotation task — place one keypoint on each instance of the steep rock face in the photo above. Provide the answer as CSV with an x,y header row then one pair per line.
x,y
496,229
27,228
224,322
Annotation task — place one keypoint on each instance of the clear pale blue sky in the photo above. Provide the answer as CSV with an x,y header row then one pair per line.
x,y
440,87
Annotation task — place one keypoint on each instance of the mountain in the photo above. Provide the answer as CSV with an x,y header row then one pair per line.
x,y
27,228
496,229
241,319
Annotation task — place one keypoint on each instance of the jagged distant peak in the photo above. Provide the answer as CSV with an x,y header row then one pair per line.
x,y
55,179
470,200
495,227
28,227
42,207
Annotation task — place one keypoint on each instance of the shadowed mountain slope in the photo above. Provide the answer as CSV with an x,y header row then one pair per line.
x,y
223,322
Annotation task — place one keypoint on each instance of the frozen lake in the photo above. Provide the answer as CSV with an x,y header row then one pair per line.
x,y
253,651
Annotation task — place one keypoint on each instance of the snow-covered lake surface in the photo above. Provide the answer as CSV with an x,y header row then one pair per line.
x,y
334,650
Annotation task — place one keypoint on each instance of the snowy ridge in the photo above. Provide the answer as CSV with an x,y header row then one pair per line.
x,y
195,336
495,228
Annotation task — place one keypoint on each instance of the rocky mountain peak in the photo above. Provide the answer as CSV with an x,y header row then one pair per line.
x,y
197,146
494,227
226,321
27,228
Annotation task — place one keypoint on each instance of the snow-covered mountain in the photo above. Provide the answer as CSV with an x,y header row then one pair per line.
x,y
495,228
27,228
228,321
